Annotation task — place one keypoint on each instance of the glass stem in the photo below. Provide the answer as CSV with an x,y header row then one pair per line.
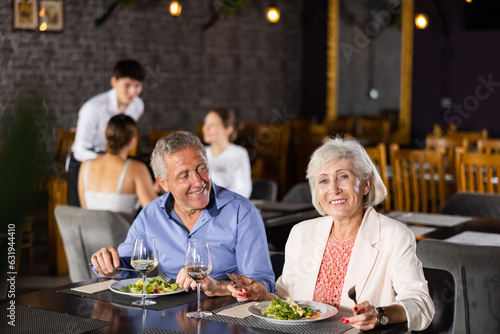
x,y
143,288
198,291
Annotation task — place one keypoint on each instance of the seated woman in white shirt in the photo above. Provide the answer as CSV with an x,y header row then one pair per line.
x,y
229,163
112,181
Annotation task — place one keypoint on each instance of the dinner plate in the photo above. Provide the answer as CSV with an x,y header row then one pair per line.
x,y
115,287
326,311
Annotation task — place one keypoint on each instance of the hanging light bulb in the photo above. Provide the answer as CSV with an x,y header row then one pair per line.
x,y
43,25
421,21
175,8
273,14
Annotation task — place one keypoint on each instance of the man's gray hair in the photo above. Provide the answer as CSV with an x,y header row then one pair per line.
x,y
336,149
171,144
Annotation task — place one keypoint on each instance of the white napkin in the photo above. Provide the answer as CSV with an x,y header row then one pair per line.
x,y
240,311
95,287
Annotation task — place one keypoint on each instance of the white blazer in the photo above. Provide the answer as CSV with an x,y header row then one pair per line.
x,y
383,266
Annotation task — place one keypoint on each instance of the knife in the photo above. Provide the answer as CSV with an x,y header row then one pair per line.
x,y
235,280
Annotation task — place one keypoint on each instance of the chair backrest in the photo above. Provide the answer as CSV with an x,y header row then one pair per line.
x,y
340,126
472,136
62,153
271,147
477,276
447,145
265,190
299,193
477,172
136,150
472,204
373,130
442,289
418,180
488,146
86,231
379,156
155,134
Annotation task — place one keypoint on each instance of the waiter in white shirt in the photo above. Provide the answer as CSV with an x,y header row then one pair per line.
x,y
127,79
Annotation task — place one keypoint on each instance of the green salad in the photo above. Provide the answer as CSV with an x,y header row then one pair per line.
x,y
153,286
288,310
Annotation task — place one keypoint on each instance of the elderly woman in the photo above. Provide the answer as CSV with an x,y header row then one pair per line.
x,y
351,245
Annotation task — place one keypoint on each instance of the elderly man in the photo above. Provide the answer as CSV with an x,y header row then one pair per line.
x,y
194,208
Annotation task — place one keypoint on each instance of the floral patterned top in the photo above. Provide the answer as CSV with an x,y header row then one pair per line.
x,y
332,272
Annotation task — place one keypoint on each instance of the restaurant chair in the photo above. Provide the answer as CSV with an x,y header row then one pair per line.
x,y
340,126
155,134
442,289
86,231
379,156
246,137
264,190
62,152
418,180
477,276
477,172
447,145
488,146
136,150
271,151
472,204
371,131
472,136
277,261
299,193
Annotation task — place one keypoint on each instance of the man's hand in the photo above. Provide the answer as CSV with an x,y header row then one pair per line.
x,y
105,260
211,286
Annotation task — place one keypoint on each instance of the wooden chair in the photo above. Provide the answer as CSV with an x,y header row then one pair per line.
x,y
271,148
447,145
418,180
373,130
136,150
246,137
62,152
341,125
154,135
477,171
379,156
488,146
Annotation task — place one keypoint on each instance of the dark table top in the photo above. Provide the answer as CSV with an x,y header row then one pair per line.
x,y
128,319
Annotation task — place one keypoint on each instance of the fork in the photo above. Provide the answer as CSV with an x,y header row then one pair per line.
x,y
352,294
165,278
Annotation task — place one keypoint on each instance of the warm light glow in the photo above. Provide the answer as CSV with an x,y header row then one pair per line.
x,y
469,1
273,15
175,8
42,12
43,26
421,21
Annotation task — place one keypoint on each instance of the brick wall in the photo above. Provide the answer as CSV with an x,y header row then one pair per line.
x,y
242,61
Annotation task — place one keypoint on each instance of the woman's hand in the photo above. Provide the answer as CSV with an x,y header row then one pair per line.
x,y
250,290
365,316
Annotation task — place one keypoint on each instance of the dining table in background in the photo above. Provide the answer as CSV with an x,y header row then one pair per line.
x,y
280,217
114,317
444,227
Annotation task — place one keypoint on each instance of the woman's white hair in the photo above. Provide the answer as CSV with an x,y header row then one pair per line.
x,y
335,149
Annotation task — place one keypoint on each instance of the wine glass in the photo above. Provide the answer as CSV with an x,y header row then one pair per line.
x,y
198,264
144,259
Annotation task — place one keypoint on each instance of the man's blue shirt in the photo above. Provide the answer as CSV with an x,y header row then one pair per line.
x,y
230,224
